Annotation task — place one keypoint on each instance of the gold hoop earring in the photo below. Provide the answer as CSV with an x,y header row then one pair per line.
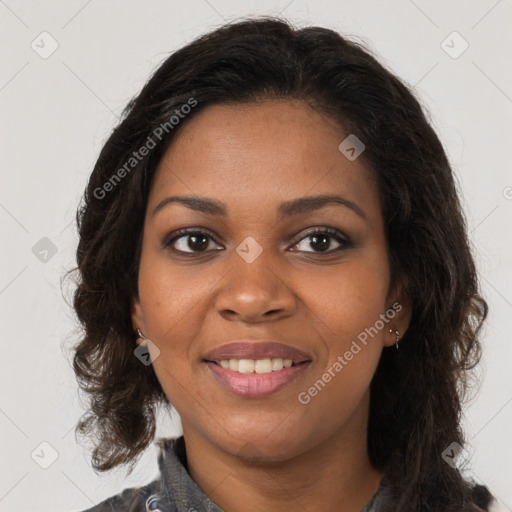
x,y
397,337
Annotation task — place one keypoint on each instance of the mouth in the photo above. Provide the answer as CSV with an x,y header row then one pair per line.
x,y
256,369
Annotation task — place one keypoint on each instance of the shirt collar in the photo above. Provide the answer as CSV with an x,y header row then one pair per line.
x,y
181,493
177,487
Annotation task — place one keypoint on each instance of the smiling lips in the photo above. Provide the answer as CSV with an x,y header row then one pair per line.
x,y
256,369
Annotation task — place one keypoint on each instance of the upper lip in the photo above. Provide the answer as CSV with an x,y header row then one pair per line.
x,y
256,349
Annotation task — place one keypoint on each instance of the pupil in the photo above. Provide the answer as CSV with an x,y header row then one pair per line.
x,y
195,245
322,246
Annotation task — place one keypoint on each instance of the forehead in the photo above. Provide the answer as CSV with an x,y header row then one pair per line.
x,y
259,154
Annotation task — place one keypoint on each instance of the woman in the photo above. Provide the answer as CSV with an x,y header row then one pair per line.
x,y
272,242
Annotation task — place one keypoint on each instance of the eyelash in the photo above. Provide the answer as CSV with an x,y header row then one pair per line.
x,y
343,240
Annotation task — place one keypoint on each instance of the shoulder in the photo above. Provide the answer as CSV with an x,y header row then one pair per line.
x,y
129,500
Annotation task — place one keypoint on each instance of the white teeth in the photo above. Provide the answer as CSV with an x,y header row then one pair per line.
x,y
256,365
277,364
263,365
246,365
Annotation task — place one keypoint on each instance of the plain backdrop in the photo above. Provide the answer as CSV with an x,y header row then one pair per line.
x,y
68,69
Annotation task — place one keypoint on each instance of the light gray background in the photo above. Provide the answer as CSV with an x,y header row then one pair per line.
x,y
57,112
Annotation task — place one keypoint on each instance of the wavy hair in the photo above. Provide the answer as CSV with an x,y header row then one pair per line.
x,y
417,392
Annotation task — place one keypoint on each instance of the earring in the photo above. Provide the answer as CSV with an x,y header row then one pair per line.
x,y
140,335
397,337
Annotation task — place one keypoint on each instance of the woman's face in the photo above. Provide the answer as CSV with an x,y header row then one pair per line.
x,y
251,269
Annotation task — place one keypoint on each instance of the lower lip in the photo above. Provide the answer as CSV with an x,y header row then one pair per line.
x,y
256,385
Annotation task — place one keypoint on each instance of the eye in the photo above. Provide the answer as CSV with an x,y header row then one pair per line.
x,y
321,240
191,241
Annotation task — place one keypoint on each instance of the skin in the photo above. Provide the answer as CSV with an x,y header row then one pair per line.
x,y
270,453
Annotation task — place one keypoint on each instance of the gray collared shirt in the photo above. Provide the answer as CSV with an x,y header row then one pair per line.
x,y
175,490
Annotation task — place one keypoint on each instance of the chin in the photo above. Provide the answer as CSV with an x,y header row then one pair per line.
x,y
263,445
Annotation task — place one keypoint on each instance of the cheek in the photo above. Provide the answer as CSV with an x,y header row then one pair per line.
x,y
173,299
174,308
346,309
345,314
348,299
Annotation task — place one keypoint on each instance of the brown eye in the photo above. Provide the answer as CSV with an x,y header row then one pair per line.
x,y
322,240
192,242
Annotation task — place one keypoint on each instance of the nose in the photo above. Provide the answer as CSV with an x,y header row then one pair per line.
x,y
255,292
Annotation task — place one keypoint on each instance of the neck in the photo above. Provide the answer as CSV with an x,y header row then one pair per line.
x,y
334,475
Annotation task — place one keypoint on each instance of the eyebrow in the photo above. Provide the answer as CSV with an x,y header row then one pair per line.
x,y
287,209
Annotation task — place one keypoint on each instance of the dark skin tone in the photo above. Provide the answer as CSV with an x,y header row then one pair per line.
x,y
316,294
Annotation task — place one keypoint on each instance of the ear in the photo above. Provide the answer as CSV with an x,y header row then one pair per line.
x,y
138,319
398,311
